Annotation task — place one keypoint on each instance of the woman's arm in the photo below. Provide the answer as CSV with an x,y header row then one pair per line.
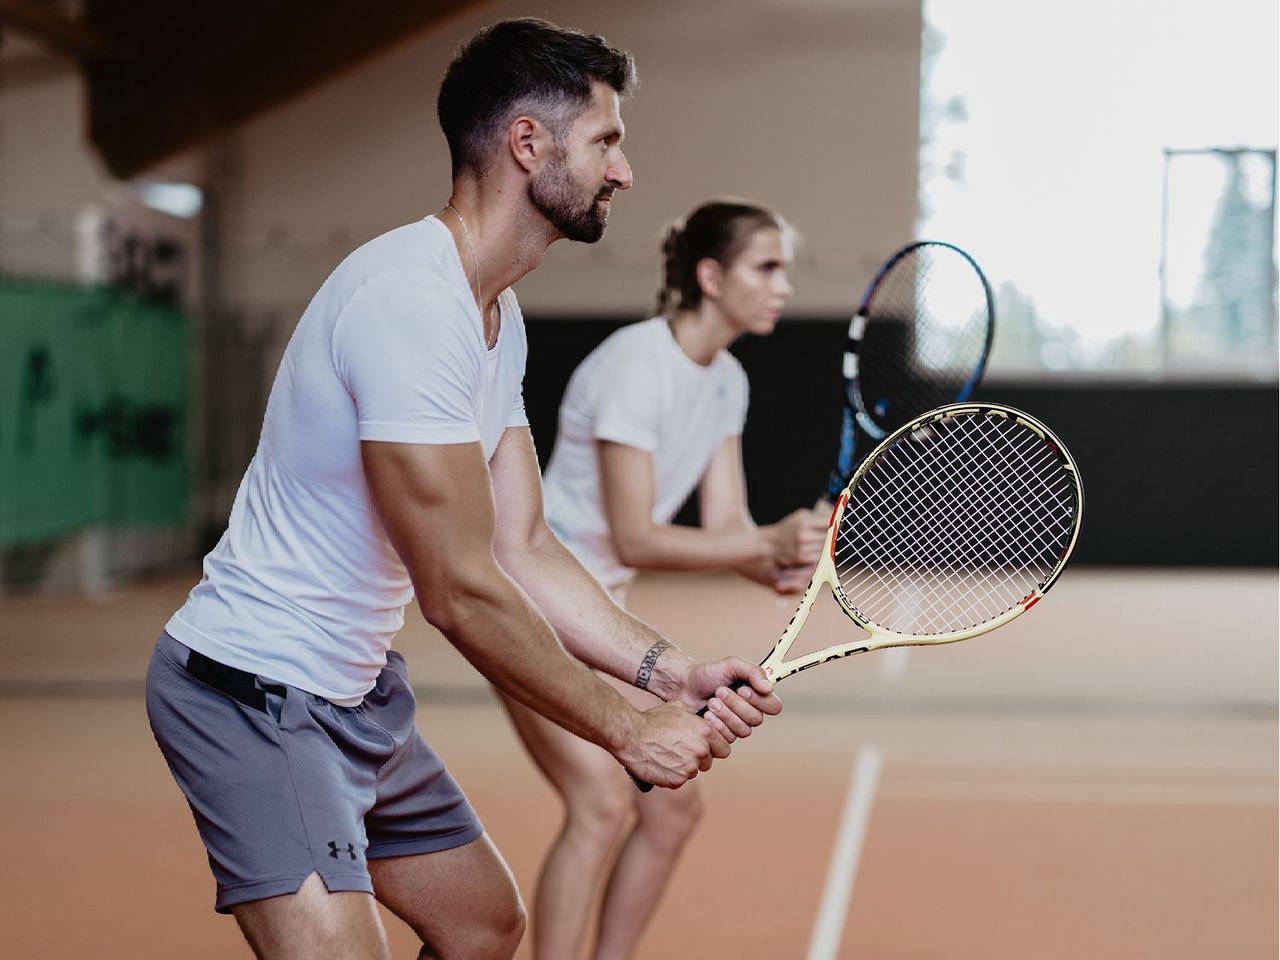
x,y
727,540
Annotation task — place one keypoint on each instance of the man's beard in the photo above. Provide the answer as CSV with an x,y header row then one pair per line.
x,y
555,196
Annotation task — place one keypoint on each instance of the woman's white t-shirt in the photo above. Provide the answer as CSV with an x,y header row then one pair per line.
x,y
641,389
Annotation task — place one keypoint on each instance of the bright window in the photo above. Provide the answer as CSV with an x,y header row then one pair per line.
x,y
1072,147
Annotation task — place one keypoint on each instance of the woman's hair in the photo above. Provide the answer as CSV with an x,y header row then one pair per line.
x,y
719,229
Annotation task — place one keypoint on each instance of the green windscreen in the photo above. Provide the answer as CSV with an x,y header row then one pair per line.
x,y
93,411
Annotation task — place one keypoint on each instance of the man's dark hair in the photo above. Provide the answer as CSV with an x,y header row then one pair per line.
x,y
522,66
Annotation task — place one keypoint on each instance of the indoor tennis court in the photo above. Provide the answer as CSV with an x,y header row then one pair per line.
x,y
1039,792
1098,779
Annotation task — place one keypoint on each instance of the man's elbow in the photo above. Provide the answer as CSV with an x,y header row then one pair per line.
x,y
450,601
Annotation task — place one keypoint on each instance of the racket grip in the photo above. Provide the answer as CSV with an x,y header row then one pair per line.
x,y
643,785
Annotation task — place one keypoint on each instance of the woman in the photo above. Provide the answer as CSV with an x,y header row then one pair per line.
x,y
653,412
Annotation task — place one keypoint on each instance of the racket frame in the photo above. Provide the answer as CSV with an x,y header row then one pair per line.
x,y
854,415
777,667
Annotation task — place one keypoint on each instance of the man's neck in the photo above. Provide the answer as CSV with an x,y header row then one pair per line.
x,y
509,238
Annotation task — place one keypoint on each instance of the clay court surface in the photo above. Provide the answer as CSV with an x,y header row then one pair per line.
x,y
1097,780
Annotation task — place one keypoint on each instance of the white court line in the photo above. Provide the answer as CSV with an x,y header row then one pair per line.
x,y
893,663
828,928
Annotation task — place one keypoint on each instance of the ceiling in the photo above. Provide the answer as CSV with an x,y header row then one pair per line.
x,y
163,77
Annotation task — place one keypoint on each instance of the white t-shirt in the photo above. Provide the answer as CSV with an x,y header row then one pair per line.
x,y
304,587
641,389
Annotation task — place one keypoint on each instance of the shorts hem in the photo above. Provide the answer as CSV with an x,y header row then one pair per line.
x,y
409,848
252,890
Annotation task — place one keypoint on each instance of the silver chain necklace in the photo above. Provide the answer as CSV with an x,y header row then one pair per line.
x,y
476,263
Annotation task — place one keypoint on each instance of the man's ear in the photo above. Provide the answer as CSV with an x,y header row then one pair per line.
x,y
530,141
710,276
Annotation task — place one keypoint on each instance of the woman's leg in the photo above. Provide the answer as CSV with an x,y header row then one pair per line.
x,y
665,821
597,798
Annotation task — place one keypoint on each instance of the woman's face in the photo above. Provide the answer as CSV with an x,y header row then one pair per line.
x,y
754,287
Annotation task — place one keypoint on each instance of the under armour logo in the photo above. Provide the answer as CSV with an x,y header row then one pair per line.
x,y
334,849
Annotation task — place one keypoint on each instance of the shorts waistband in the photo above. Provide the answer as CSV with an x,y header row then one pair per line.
x,y
240,685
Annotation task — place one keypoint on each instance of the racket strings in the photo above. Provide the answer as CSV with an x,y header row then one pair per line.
x,y
1030,450
953,525
982,548
910,360
954,550
944,557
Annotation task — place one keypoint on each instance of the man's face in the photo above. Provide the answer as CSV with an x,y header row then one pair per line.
x,y
575,188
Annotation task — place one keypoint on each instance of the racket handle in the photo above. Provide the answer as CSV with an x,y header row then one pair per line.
x,y
644,785
843,470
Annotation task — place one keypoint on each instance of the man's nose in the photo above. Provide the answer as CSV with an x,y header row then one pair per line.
x,y
619,173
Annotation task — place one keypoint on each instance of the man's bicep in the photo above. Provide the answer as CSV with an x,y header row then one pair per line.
x,y
435,503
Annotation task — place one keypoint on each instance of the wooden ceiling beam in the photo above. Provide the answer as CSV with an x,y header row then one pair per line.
x,y
66,36
204,66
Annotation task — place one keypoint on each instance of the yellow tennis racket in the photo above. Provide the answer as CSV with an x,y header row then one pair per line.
x,y
958,522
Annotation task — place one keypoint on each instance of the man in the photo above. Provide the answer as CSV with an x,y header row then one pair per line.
x,y
395,457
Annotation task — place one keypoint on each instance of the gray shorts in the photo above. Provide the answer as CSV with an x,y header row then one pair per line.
x,y
284,784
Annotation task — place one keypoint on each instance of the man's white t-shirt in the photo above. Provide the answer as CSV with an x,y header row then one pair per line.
x,y
641,389
304,587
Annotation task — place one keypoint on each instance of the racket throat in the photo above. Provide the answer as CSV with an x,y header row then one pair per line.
x,y
776,666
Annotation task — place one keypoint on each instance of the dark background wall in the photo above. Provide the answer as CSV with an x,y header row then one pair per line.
x,y
1174,474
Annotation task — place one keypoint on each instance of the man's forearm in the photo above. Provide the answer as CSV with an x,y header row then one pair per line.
x,y
506,639
590,624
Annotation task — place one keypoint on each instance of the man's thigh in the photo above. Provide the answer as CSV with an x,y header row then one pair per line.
x,y
461,902
314,924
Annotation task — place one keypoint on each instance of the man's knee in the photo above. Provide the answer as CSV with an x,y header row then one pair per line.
x,y
501,937
493,937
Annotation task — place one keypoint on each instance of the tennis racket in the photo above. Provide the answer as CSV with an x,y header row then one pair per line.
x,y
957,522
920,339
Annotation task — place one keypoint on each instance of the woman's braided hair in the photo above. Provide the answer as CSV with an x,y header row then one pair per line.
x,y
719,229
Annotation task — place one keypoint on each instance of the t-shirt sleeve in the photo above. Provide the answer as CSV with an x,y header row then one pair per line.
x,y
627,408
517,417
408,351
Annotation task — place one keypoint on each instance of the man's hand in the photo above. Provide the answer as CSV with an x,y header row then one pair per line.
x,y
736,693
670,746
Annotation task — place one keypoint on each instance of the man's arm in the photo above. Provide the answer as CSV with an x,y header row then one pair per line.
x,y
436,505
589,622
